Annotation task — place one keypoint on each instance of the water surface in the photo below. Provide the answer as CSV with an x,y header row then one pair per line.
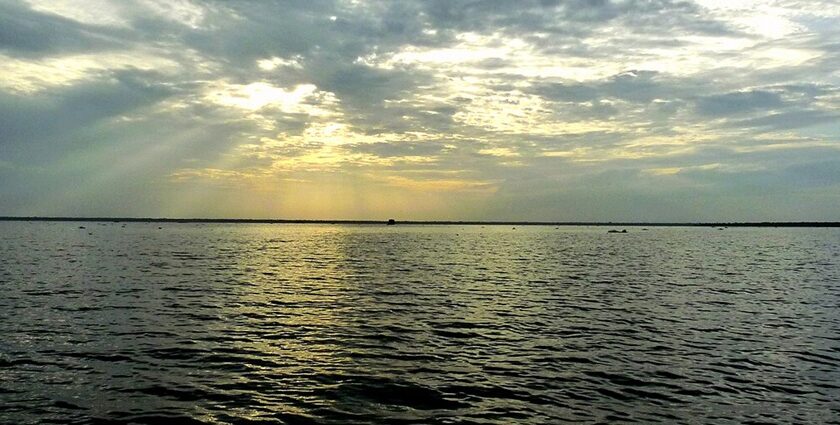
x,y
242,323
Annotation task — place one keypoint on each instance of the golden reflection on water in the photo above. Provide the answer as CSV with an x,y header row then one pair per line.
x,y
295,293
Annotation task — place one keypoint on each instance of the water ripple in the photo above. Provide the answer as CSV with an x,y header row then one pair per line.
x,y
318,324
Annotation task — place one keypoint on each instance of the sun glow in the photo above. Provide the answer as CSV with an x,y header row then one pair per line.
x,y
259,95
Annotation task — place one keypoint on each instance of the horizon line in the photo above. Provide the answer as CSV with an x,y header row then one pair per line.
x,y
425,222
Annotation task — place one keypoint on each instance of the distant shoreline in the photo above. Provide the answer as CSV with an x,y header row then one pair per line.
x,y
426,222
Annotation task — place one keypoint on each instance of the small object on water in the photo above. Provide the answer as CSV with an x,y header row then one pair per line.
x,y
160,227
617,231
391,222
82,227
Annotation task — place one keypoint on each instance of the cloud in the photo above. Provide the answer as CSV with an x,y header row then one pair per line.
x,y
38,128
387,150
738,102
499,109
29,33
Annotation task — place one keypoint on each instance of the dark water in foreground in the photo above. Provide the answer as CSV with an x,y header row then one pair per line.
x,y
238,323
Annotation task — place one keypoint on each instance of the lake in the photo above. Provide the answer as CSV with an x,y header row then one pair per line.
x,y
304,323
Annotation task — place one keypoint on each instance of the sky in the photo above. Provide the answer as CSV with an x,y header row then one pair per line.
x,y
567,110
